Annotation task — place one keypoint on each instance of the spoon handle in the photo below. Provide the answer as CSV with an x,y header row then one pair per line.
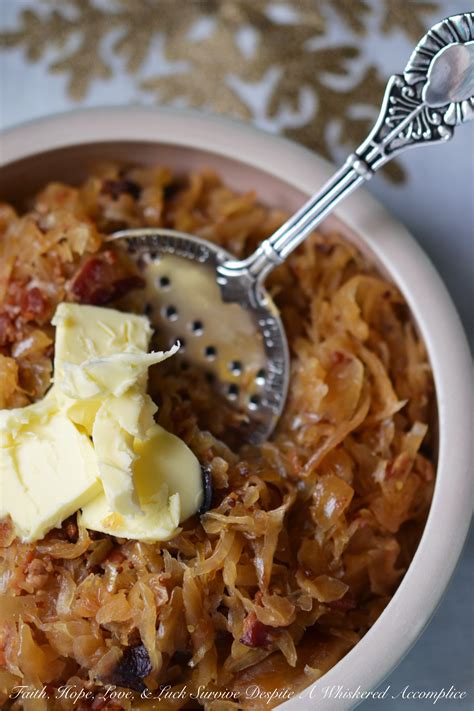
x,y
420,107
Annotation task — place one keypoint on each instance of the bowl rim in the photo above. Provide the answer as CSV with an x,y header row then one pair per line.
x,y
427,577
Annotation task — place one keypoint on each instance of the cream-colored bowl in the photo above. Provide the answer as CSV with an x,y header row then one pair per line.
x,y
64,147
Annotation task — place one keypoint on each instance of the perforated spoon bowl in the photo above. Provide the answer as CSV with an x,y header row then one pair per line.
x,y
217,306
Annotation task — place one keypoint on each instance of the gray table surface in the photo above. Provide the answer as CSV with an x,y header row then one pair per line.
x,y
436,203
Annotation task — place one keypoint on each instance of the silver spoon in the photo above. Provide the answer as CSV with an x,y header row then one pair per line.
x,y
217,307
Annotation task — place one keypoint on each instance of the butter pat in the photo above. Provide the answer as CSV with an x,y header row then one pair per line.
x,y
113,374
100,375
47,473
92,442
12,422
168,481
85,332
119,421
163,457
159,522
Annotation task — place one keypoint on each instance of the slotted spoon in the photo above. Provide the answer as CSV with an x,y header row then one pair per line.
x,y
217,306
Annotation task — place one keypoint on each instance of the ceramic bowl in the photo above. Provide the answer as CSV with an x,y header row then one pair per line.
x,y
64,147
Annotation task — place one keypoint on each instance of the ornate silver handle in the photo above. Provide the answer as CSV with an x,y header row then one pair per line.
x,y
420,107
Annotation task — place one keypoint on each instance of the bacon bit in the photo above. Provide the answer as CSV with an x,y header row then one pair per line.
x,y
29,556
70,529
115,557
256,634
338,357
7,532
34,305
180,416
102,279
95,535
7,330
116,188
231,499
345,604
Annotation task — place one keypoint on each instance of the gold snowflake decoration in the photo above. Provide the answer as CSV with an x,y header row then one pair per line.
x,y
211,59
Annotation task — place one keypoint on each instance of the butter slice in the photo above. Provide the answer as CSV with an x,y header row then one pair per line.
x,y
85,333
12,422
168,480
100,375
165,458
119,421
92,442
113,374
159,521
47,472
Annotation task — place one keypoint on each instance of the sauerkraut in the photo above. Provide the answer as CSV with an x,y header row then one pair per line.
x,y
308,534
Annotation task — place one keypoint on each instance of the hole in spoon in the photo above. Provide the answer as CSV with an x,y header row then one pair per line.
x,y
197,327
233,391
254,402
235,367
171,313
164,282
210,352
